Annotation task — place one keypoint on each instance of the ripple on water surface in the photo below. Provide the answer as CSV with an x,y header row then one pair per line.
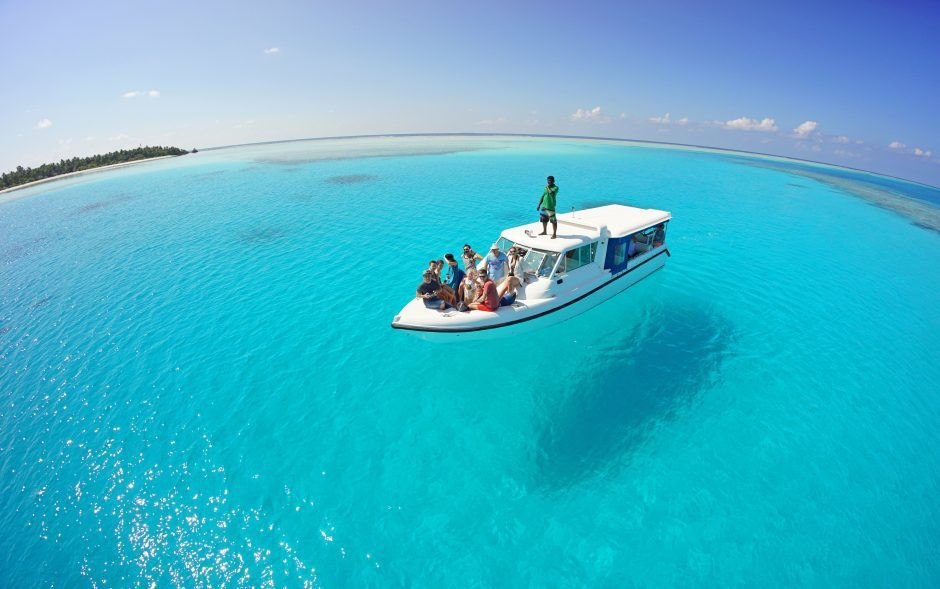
x,y
200,387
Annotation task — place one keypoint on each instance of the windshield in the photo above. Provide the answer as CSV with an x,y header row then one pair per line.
x,y
504,244
539,263
548,264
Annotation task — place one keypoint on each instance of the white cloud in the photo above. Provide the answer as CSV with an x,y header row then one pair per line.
x,y
766,125
244,124
593,114
272,50
136,93
916,151
494,122
43,124
90,138
666,119
840,139
805,128
118,137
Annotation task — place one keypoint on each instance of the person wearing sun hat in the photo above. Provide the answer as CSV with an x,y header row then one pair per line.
x,y
496,263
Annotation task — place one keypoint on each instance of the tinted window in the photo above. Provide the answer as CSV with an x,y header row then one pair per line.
x,y
578,257
647,239
620,252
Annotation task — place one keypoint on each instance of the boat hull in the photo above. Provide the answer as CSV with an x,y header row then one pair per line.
x,y
551,315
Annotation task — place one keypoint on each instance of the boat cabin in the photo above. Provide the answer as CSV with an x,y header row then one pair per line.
x,y
608,239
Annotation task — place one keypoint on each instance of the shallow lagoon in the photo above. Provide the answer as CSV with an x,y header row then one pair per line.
x,y
200,386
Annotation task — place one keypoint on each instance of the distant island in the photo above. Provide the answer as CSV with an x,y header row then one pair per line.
x,y
23,175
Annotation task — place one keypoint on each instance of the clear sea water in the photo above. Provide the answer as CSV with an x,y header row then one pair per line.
x,y
200,387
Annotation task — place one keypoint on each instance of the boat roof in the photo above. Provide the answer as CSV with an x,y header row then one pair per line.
x,y
580,227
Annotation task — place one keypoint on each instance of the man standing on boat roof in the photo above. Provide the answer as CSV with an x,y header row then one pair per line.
x,y
546,207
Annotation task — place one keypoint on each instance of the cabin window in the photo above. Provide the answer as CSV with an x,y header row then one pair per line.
x,y
644,241
620,250
576,258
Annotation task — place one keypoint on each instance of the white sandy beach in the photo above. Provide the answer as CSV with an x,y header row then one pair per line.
x,y
83,172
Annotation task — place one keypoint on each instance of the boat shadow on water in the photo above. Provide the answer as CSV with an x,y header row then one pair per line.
x,y
105,203
641,378
262,234
347,179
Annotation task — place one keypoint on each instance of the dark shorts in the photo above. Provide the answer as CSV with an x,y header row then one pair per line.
x,y
434,303
547,215
507,300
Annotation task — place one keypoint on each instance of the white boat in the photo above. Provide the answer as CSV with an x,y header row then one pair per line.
x,y
599,252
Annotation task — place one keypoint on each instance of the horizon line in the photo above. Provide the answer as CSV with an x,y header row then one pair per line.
x,y
587,137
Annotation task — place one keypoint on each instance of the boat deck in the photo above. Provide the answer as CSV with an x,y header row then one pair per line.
x,y
580,227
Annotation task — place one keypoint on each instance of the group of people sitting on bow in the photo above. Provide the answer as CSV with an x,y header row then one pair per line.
x,y
485,283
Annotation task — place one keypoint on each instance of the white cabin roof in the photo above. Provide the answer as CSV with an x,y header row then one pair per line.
x,y
579,227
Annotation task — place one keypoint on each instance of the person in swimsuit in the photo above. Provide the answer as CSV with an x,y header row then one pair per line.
x,y
470,257
467,291
516,255
508,291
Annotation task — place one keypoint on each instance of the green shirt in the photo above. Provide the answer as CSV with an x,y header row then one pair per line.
x,y
548,197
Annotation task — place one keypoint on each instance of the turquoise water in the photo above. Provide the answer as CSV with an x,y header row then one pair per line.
x,y
200,387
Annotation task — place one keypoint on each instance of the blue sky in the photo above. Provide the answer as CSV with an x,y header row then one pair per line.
x,y
855,84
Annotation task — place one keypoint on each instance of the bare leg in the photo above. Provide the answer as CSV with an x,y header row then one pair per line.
x,y
544,227
510,282
447,295
554,229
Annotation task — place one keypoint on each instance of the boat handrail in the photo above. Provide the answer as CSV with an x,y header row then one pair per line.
x,y
574,224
